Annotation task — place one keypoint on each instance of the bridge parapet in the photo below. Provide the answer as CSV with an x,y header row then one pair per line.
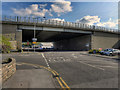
x,y
50,22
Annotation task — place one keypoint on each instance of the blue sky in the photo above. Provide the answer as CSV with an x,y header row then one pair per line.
x,y
93,13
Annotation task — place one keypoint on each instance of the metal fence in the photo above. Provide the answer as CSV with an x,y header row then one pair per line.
x,y
57,23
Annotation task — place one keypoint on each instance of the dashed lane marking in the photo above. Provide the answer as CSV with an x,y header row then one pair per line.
x,y
45,60
91,65
109,66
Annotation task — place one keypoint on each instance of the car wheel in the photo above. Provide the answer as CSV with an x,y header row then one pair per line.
x,y
94,52
107,54
110,54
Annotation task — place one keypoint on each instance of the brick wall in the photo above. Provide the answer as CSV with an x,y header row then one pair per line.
x,y
8,70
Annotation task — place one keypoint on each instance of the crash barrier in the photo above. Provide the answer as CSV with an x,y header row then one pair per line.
x,y
8,68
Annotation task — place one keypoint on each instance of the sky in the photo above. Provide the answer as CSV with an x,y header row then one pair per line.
x,y
103,14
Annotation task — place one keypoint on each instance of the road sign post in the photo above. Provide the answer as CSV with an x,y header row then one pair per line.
x,y
28,45
34,42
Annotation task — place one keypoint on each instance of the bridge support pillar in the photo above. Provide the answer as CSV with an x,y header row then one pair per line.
x,y
19,39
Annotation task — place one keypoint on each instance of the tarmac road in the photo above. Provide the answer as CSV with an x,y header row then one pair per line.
x,y
77,70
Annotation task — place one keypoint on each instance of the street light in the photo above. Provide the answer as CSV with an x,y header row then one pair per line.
x,y
34,34
34,30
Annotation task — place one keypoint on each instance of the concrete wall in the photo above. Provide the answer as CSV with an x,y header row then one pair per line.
x,y
7,28
10,31
104,40
19,39
78,43
11,36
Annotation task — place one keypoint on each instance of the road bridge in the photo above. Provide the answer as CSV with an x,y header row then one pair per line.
x,y
64,35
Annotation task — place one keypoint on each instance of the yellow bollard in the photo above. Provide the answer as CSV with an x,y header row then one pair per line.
x,y
21,51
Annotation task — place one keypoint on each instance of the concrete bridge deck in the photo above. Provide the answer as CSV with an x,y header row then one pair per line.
x,y
54,23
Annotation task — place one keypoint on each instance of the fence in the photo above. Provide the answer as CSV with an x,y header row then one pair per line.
x,y
44,21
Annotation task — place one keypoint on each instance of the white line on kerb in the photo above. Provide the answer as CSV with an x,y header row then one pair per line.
x,y
45,60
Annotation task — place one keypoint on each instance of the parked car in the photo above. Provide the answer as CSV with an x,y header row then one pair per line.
x,y
110,52
94,51
116,51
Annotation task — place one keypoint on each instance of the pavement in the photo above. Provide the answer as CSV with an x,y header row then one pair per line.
x,y
35,78
102,56
77,69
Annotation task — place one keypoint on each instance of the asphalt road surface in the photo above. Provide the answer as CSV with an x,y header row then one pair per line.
x,y
78,70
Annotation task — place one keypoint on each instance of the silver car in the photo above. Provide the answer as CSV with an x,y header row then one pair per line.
x,y
110,52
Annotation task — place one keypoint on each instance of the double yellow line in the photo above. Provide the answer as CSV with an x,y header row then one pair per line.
x,y
61,82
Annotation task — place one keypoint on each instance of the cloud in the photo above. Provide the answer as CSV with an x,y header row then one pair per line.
x,y
43,5
22,12
91,20
40,13
61,6
95,20
58,7
57,19
34,7
32,10
109,23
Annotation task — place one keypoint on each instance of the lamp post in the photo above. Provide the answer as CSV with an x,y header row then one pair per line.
x,y
34,34
34,31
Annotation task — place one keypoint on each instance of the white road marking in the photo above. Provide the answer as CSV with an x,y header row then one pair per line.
x,y
35,66
45,60
91,65
64,60
67,59
109,66
74,56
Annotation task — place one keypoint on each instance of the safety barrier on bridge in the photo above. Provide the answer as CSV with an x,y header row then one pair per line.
x,y
44,21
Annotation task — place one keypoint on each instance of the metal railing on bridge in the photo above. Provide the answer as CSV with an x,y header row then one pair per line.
x,y
58,23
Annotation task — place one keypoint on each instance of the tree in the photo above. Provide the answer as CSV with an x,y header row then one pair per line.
x,y
6,45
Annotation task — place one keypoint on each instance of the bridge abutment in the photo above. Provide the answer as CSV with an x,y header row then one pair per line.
x,y
104,40
15,36
78,43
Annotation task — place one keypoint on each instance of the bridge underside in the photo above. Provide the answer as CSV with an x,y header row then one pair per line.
x,y
61,40
48,36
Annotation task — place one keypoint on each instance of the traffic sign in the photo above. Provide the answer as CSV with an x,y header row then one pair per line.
x,y
34,42
27,42
34,39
